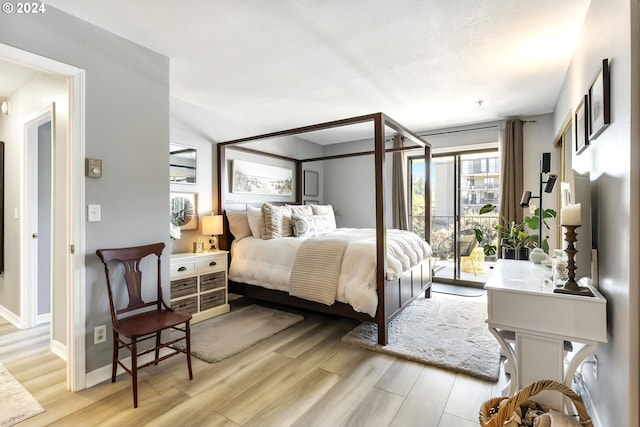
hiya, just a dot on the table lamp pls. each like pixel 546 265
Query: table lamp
pixel 212 226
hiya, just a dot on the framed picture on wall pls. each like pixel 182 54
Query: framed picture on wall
pixel 599 102
pixel 581 124
pixel 310 183
pixel 257 178
pixel 184 210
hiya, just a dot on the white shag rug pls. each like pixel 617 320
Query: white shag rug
pixel 447 333
pixel 220 337
pixel 16 403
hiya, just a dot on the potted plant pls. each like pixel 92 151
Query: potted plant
pixel 516 238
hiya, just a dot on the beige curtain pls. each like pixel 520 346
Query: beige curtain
pixel 510 142
pixel 399 186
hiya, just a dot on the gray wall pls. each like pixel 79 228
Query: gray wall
pixel 127 126
pixel 611 31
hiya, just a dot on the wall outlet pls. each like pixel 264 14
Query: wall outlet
pixel 100 334
pixel 532 209
pixel 595 367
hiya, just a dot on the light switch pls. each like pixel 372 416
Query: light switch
pixel 93 213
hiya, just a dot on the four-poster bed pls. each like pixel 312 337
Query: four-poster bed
pixel 392 295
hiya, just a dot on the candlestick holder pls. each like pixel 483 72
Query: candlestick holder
pixel 570 286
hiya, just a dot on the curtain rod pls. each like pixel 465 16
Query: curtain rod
pixel 457 131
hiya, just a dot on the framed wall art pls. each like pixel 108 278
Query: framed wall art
pixel 256 178
pixel 581 124
pixel 599 102
pixel 184 210
pixel 310 183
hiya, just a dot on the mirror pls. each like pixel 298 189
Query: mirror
pixel 182 164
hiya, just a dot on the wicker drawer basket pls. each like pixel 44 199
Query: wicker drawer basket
pixel 212 299
pixel 190 305
pixel 494 415
pixel 184 287
pixel 212 281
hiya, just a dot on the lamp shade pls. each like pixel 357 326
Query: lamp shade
pixel 212 225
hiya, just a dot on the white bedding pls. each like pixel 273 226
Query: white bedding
pixel 268 262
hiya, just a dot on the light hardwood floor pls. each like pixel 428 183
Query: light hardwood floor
pixel 304 376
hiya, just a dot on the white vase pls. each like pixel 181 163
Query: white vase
pixel 537 256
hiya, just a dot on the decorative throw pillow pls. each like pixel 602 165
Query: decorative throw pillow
pixel 277 221
pixel 238 224
pixel 254 216
pixel 301 210
pixel 325 210
pixel 311 225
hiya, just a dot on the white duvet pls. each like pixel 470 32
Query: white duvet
pixel 268 263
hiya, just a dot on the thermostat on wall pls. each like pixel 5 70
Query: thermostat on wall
pixel 93 168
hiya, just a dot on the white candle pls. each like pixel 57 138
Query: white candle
pixel 570 215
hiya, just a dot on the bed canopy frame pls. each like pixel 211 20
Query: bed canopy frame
pixel 393 296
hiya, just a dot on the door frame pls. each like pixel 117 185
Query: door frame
pixel 29 206
pixel 456 153
pixel 74 265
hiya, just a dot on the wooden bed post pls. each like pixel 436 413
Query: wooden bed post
pixel 381 231
pixel 427 193
pixel 222 186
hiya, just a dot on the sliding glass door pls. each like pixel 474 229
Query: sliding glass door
pixel 461 183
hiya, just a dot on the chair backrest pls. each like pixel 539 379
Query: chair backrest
pixel 467 242
pixel 131 258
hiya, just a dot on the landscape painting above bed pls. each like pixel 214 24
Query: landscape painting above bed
pixel 256 178
pixel 293 253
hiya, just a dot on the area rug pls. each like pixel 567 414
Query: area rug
pixel 16 403
pixel 220 337
pixel 447 333
pixel 463 291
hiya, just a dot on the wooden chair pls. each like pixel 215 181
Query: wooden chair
pixel 137 322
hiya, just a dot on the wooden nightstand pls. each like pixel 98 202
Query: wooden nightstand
pixel 199 284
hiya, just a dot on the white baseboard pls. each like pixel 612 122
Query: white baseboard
pixel 43 318
pixel 103 374
pixel 11 317
pixel 59 350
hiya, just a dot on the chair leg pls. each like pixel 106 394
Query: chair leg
pixel 134 371
pixel 114 358
pixel 187 331
pixel 157 347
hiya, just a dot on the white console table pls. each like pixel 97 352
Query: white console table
pixel 532 324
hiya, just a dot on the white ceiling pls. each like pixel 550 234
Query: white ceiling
pixel 281 64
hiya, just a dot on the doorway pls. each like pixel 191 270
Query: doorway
pixel 68 234
pixel 37 233
pixel 461 183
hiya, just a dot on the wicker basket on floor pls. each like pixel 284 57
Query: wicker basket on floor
pixel 492 415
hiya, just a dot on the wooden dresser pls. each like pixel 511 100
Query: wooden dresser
pixel 199 284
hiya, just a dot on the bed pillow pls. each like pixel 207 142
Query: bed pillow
pixel 254 217
pixel 311 225
pixel 277 221
pixel 301 210
pixel 239 224
pixel 325 210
